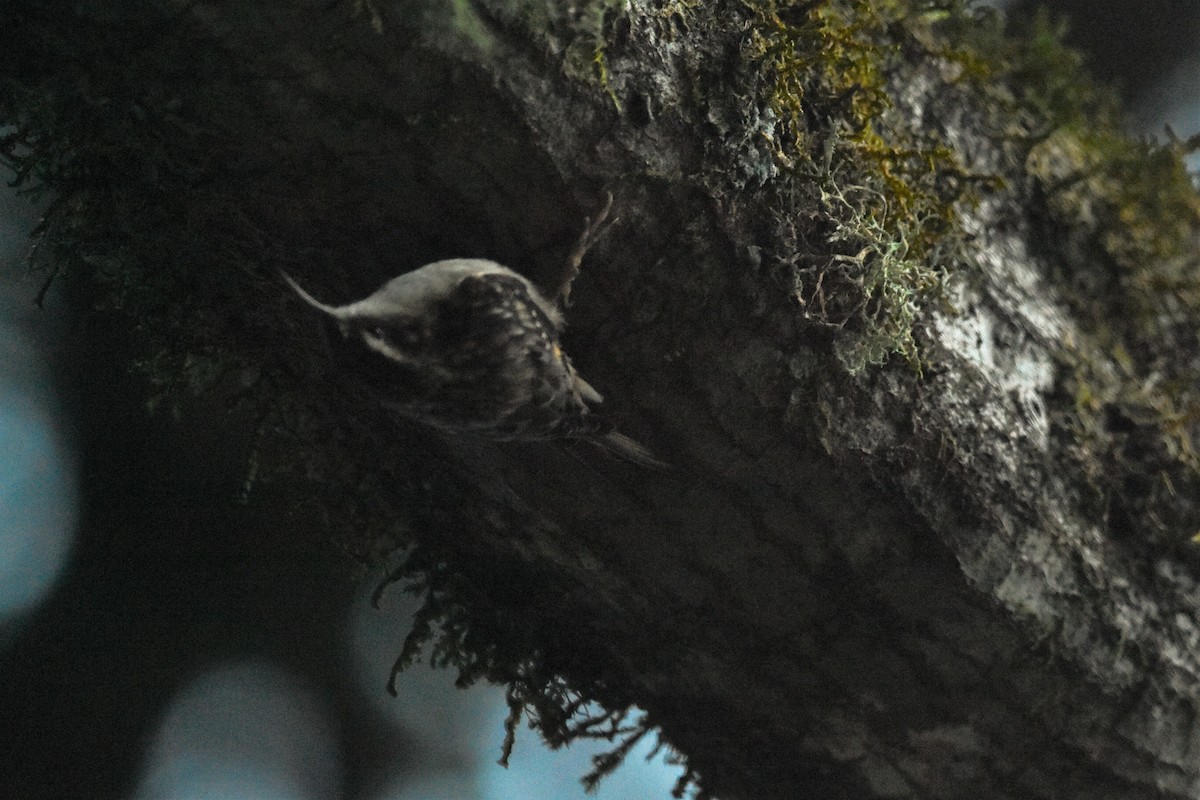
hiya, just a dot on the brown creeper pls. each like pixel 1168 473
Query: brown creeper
pixel 469 346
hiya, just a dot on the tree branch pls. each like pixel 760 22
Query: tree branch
pixel 926 534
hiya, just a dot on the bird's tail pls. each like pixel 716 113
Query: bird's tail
pixel 622 446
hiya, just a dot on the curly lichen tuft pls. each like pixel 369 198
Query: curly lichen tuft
pixel 886 194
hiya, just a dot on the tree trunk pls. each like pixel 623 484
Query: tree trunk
pixel 913 325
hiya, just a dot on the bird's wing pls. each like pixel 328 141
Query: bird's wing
pixel 507 302
pixel 503 308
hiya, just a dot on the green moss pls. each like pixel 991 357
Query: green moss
pixel 159 221
pixel 1133 201
pixel 587 61
pixel 1120 215
pixel 1134 441
pixel 465 622
pixel 587 32
pixel 887 195
pixel 108 129
pixel 1120 220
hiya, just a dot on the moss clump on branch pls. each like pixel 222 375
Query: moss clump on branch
pixel 1119 218
pixel 163 213
pixel 880 195
pixel 143 187
pixel 807 107
pixel 1125 219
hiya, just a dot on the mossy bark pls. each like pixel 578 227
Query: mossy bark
pixel 950 573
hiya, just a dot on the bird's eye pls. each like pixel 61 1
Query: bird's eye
pixel 379 333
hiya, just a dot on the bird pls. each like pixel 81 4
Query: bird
pixel 469 346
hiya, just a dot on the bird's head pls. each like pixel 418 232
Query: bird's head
pixel 386 322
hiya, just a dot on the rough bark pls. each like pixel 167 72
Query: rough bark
pixel 858 580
